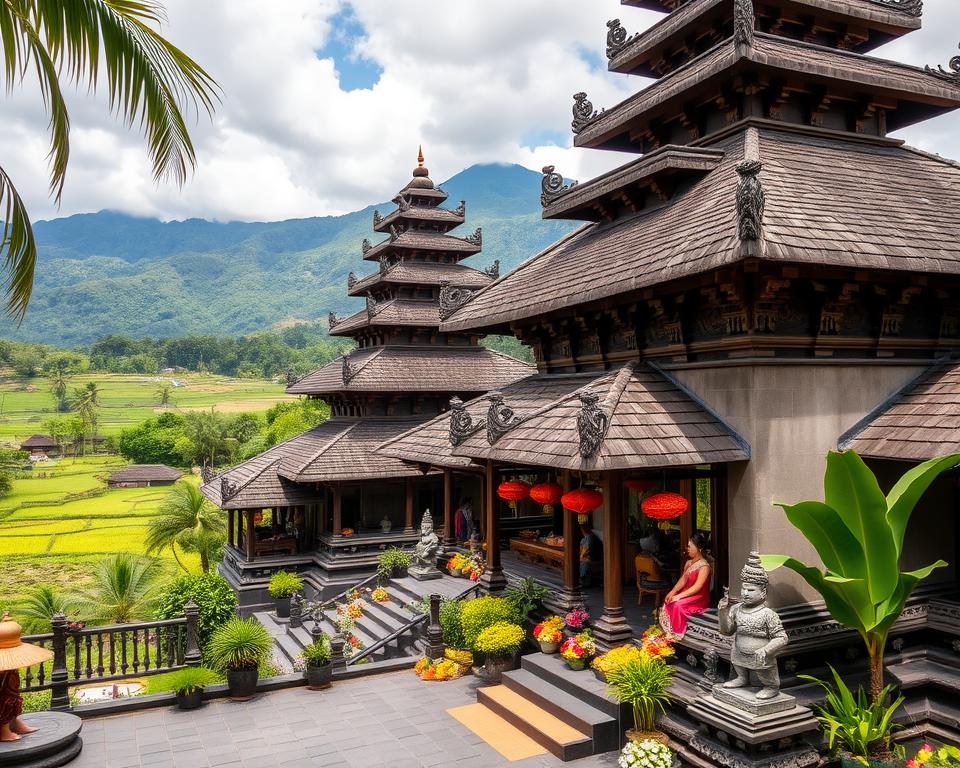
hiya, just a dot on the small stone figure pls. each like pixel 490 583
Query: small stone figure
pixel 425 553
pixel 14 655
pixel 758 634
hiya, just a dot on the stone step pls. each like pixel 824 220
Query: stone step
pixel 582 685
pixel 562 740
pixel 602 728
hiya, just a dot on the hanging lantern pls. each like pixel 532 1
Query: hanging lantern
pixel 513 491
pixel 665 506
pixel 582 501
pixel 257 518
pixel 640 486
pixel 547 494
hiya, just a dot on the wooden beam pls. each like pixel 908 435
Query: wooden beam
pixel 492 579
pixel 251 542
pixel 612 627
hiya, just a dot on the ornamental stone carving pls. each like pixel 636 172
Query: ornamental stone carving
pixel 617 38
pixel 476 238
pixel 744 22
pixel 394 232
pixel 206 473
pixel 384 264
pixel 333 320
pixel 493 270
pixel 583 112
pixel 461 422
pixel 500 417
pixel 952 74
pixel 451 299
pixel 592 423
pixel 374 307
pixel 349 370
pixel 552 186
pixel 750 200
pixel 461 210
pixel 228 488
pixel 366 245
pixel 909 7
pixel 291 377
pixel 377 218
pixel 351 280
pixel 403 202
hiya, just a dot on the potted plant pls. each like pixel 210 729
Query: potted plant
pixel 283 586
pixel 527 596
pixel 576 620
pixel 380 595
pixel 859 729
pixel 317 669
pixel 944 757
pixel 643 684
pixel 500 642
pixel 455 565
pixel 613 659
pixel 646 754
pixel 578 650
pixel 549 633
pixel 188 684
pixel 239 648
pixel 393 563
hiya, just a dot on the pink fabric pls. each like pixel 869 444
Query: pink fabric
pixel 674 616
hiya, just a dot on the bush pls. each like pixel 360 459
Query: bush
pixel 240 644
pixel 319 652
pixel 502 639
pixel 484 612
pixel 527 596
pixel 644 684
pixel 393 558
pixel 192 679
pixel 284 584
pixel 212 594
pixel 450 611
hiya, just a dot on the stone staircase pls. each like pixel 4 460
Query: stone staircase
pixel 379 621
pixel 566 712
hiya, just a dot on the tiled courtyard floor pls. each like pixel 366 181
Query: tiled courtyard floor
pixel 383 721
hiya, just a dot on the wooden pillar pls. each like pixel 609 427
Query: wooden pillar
pixel 251 536
pixel 492 578
pixel 408 510
pixel 230 528
pixel 570 595
pixel 449 509
pixel 612 627
pixel 337 509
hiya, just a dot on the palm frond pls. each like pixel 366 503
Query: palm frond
pixel 18 246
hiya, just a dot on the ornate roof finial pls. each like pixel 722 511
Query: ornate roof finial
pixel 583 112
pixel 744 22
pixel 461 422
pixel 552 186
pixel 750 200
pixel 953 75
pixel 592 423
pixel 451 299
pixel 500 417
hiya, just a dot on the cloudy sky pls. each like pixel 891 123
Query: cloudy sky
pixel 325 102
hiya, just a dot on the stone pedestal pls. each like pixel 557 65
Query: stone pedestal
pixel 56 743
pixel 738 730
pixel 425 572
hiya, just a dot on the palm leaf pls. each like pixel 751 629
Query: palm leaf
pixel 18 247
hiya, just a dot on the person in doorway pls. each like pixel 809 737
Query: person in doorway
pixel 691 594
pixel 589 553
pixel 463 520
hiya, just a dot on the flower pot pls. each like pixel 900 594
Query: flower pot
pixel 634 735
pixel 282 607
pixel 318 677
pixel 456 573
pixel 190 699
pixel 399 571
pixel 599 674
pixel 242 683
pixel 549 647
pixel 576 664
pixel 495 667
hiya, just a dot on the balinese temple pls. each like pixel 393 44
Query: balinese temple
pixel 771 277
pixel 323 503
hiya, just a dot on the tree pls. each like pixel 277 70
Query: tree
pixel 38 607
pixel 85 401
pixel 6 483
pixel 858 533
pixel 208 432
pixel 163 393
pixel 187 519
pixel 58 388
pixel 154 441
pixel 149 80
pixel 122 591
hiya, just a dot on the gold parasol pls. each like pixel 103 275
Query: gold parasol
pixel 14 653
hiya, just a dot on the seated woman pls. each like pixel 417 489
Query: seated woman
pixel 691 594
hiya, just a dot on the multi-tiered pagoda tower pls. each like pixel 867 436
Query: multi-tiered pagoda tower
pixel 334 503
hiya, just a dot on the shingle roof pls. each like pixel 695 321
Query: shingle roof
pixel 415 369
pixel 145 473
pixel 391 312
pixel 920 422
pixel 256 484
pixel 414 240
pixel 424 273
pixel 652 422
pixel 420 213
pixel 39 441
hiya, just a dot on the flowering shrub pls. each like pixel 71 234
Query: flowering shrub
pixel 476 615
pixel 579 647
pixel 380 595
pixel 344 624
pixel 352 645
pixel 945 757
pixel 501 639
pixel 346 531
pixel 457 562
pixel 654 642
pixel 354 595
pixel 645 754
pixel 550 630
pixel 616 658
pixel 355 610
pixel 577 618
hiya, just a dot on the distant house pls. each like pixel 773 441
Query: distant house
pixel 40 445
pixel 143 476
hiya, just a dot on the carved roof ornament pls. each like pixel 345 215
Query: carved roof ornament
pixel 451 299
pixel 228 488
pixel 461 422
pixel 349 370
pixel 750 200
pixel 476 238
pixel 384 264
pixel 953 74
pixel 351 280
pixel 394 233
pixel 292 377
pixel 617 38
pixel 206 473
pixel 592 423
pixel 909 7
pixel 377 218
pixel 461 210
pixel 366 245
pixel 500 418
pixel 552 186
pixel 744 22
pixel 494 269
pixel 374 307
pixel 583 112
pixel 333 320
pixel 403 202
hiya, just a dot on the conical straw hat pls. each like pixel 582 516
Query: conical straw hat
pixel 14 653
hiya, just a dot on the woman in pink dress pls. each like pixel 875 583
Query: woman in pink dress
pixel 691 594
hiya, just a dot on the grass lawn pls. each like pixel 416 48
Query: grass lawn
pixel 128 400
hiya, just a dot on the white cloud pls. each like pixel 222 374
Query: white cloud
pixel 472 79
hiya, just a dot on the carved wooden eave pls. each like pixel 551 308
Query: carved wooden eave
pixel 414 273
pixel 750 69
pixel 654 172
pixel 441 218
pixel 424 242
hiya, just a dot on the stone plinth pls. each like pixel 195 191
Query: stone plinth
pixel 56 743
pixel 425 573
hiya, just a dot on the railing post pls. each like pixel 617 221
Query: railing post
pixel 435 645
pixel 296 612
pixel 59 693
pixel 336 652
pixel 191 656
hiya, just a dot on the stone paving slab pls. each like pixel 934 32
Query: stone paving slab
pixel 390 720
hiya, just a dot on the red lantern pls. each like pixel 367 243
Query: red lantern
pixel 547 494
pixel 665 506
pixel 582 501
pixel 513 491
pixel 640 486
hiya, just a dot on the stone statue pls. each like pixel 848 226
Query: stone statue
pixel 758 635
pixel 425 553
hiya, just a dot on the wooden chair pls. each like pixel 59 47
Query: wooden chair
pixel 649 579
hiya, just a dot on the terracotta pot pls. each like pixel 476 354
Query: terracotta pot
pixel 282 607
pixel 318 677
pixel 190 699
pixel 576 664
pixel 495 666
pixel 242 683
pixel 549 647
pixel 634 735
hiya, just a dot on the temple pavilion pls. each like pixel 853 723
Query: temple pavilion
pixel 772 276
pixel 324 503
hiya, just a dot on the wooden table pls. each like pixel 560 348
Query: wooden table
pixel 538 553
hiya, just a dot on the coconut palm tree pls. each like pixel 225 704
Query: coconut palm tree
pixel 123 589
pixel 163 393
pixel 189 520
pixel 38 607
pixel 85 401
pixel 150 83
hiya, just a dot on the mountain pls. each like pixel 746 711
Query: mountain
pixel 108 272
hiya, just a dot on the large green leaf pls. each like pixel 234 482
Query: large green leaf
pixel 822 526
pixel 852 490
pixel 904 495
pixel 889 611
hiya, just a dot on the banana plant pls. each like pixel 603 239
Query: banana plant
pixel 858 533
